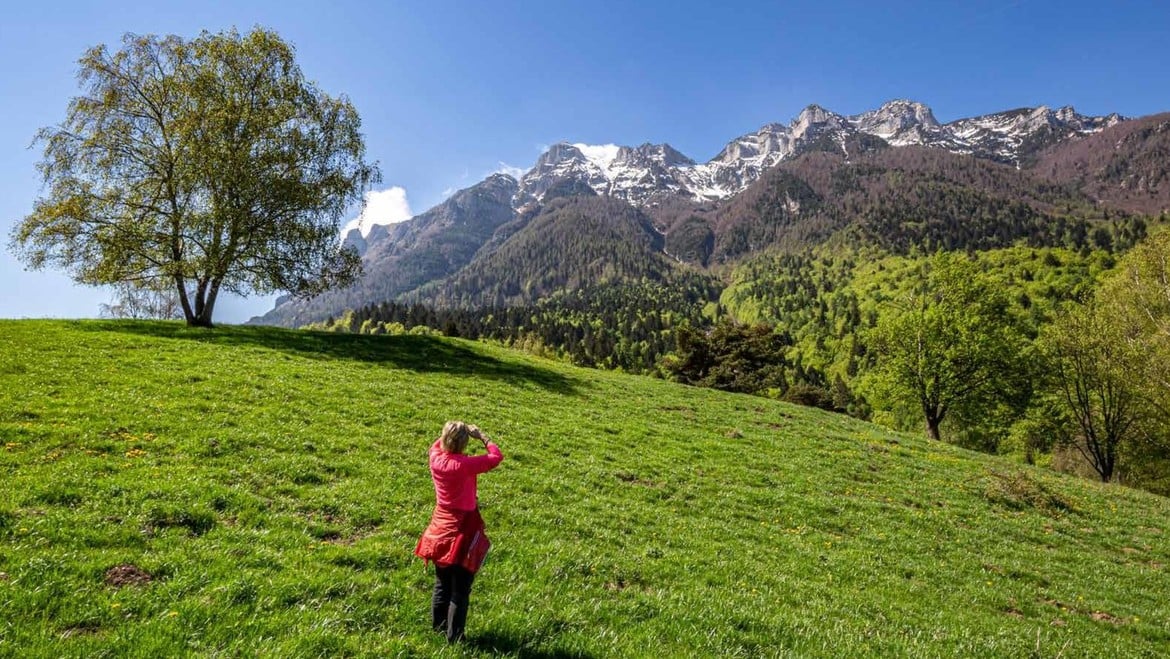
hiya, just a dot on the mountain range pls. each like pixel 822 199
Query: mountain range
pixel 895 176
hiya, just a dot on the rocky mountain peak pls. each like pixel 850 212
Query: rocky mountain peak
pixel 556 154
pixel 769 139
pixel 644 173
pixel 895 118
pixel 651 154
pixel 815 116
pixel 501 179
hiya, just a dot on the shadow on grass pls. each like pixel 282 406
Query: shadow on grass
pixel 424 354
pixel 498 643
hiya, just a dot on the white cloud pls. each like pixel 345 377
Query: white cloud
pixel 601 155
pixel 505 168
pixel 387 206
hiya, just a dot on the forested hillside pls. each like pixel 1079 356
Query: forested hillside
pixel 627 326
pixel 1126 167
pixel 405 256
pixel 573 242
pixel 899 200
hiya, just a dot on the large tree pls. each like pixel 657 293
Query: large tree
pixel 1140 297
pixel 1097 373
pixel 1130 364
pixel 951 347
pixel 202 165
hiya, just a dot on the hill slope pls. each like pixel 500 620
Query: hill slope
pixel 1126 166
pixel 266 488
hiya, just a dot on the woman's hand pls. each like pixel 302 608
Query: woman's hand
pixel 475 432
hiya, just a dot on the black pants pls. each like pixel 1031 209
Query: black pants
pixel 449 603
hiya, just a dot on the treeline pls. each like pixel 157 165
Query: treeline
pixel 757 359
pixel 819 309
pixel 627 326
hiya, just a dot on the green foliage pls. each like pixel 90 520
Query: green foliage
pixel 254 491
pixel 1042 427
pixel 1109 357
pixel 951 347
pixel 731 357
pixel 201 165
pixel 1139 297
pixel 828 302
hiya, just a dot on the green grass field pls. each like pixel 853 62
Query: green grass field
pixel 267 488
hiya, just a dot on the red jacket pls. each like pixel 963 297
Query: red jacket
pixel 456 535
pixel 454 475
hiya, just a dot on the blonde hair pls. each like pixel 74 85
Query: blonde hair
pixel 454 437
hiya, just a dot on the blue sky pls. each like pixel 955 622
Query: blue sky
pixel 451 91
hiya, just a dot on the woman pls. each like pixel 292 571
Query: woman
pixel 455 538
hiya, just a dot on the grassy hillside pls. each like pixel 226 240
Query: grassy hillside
pixel 246 491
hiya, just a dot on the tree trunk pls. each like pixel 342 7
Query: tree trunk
pixel 209 304
pixel 932 425
pixel 203 320
pixel 1098 452
pixel 934 417
pixel 1105 468
pixel 184 301
pixel 204 305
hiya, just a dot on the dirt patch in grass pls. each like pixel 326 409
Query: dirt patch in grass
pixel 127 574
pixel 1099 616
pixel 1102 616
pixel 86 628
pixel 635 479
